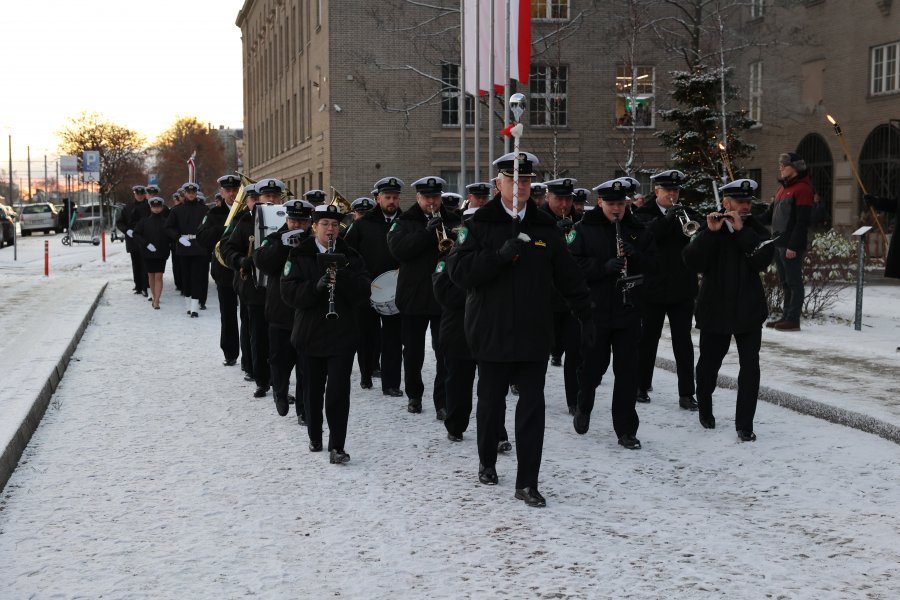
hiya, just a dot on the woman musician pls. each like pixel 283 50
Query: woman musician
pixel 325 281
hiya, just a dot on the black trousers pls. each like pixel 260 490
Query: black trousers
pixel 282 361
pixel 681 319
pixel 259 344
pixel 195 283
pixel 572 362
pixel 559 333
pixel 229 338
pixel 391 351
pixel 413 332
pixel 460 379
pixel 368 353
pixel 246 347
pixel 137 271
pixel 177 270
pixel 713 348
pixel 624 346
pixel 493 384
pixel 328 380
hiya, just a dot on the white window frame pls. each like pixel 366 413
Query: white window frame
pixel 757 9
pixel 755 88
pixel 548 6
pixel 450 94
pixel 549 96
pixel 626 92
pixel 884 77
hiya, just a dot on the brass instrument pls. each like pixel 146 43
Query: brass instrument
pixel 443 241
pixel 688 226
pixel 625 281
pixel 240 201
pixel 331 261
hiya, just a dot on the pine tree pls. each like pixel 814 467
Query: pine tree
pixel 697 130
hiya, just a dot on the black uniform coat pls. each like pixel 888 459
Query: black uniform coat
pixel 452 298
pixel 270 258
pixel 237 247
pixel 509 306
pixel 209 233
pixel 592 243
pixel 185 219
pixel 152 230
pixel 892 263
pixel 559 303
pixel 670 281
pixel 314 333
pixel 368 236
pixel 416 249
pixel 731 299
pixel 129 218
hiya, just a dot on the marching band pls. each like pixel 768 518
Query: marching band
pixel 509 280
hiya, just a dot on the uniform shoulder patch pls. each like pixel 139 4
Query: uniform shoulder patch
pixel 287 268
pixel 461 235
pixel 440 267
pixel 265 242
pixel 570 237
pixel 393 226
pixel 203 222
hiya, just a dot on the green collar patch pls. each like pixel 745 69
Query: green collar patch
pixel 287 268
pixel 570 237
pixel 461 235
pixel 440 267
pixel 393 226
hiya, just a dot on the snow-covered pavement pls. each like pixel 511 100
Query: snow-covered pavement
pixel 155 474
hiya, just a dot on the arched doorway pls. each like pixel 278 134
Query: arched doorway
pixel 879 166
pixel 820 165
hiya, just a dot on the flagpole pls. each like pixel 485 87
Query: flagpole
pixel 506 74
pixel 476 145
pixel 461 105
pixel 491 95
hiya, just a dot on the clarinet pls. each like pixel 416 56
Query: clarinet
pixel 625 282
pixel 332 272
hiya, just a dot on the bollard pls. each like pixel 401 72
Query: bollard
pixel 103 245
pixel 46 258
pixel 860 274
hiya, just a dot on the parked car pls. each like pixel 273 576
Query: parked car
pixel 39 216
pixel 7 225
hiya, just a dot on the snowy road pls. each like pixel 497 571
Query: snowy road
pixel 155 474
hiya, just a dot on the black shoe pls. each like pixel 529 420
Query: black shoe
pixel 414 406
pixel 137 292
pixel 202 306
pixel 687 403
pixel 514 390
pixel 260 392
pixel 441 414
pixel 531 496
pixel 555 361
pixel 144 293
pixel 572 409
pixel 315 446
pixel 229 362
pixel 487 475
pixel 291 399
pixel 282 406
pixel 248 376
pixel 194 315
pixel 338 457
pixel 581 422
pixel 149 299
pixel 630 442
pixel 366 383
pixel 503 446
pixel 393 392
pixel 376 373
pixel 708 421
pixel 746 436
pixel 643 396
pixel 454 437
pixel 301 420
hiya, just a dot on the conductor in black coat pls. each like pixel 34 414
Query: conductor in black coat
pixel 606 259
pixel 328 343
pixel 730 253
pixel 509 263
pixel 413 240
pixel 669 291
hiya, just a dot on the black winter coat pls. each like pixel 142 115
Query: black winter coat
pixel 129 218
pixel 152 230
pixel 592 243
pixel 236 248
pixel 559 303
pixel 452 299
pixel 670 281
pixel 509 306
pixel 416 249
pixel 368 236
pixel 185 219
pixel 892 263
pixel 731 299
pixel 270 258
pixel 209 233
pixel 314 333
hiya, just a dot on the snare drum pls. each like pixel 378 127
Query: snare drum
pixel 384 289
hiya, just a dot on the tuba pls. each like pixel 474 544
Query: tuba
pixel 240 201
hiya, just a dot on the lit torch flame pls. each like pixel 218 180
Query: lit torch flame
pixel 837 128
pixel 721 146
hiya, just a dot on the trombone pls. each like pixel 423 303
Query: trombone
pixel 688 226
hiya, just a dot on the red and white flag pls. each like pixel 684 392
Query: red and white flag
pixel 477 40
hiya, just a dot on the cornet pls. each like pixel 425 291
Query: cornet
pixel 688 226
pixel 443 241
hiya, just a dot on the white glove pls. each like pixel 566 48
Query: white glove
pixel 130 233
pixel 151 247
pixel 287 235
pixel 184 241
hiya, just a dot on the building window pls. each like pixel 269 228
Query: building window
pixel 548 87
pixel 635 96
pixel 885 69
pixel 450 97
pixel 756 8
pixel 755 92
pixel 549 9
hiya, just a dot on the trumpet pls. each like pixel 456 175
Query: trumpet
pixel 443 241
pixel 688 226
